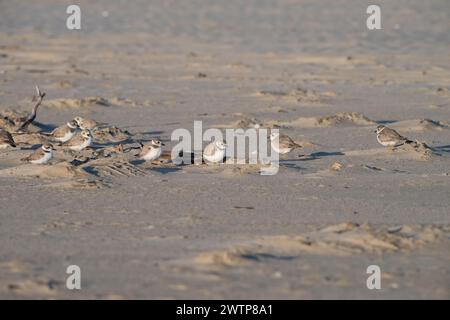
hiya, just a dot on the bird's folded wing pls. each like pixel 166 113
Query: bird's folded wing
pixel 74 142
pixel 209 150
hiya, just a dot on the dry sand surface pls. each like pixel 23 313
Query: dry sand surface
pixel 166 231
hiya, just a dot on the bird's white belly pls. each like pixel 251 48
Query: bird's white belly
pixel 80 147
pixel 387 143
pixel 4 146
pixel 46 158
pixel 276 148
pixel 153 154
pixel 66 137
pixel 216 157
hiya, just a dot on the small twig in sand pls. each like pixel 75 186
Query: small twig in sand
pixel 39 97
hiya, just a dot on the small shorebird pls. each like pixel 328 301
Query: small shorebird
pixel 388 137
pixel 6 139
pixel 40 156
pixel 87 124
pixel 80 142
pixel 283 144
pixel 65 132
pixel 151 151
pixel 215 151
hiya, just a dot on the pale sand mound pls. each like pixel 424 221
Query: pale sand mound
pixel 14 266
pixel 420 125
pixel 33 288
pixel 414 150
pixel 87 174
pixel 77 103
pixel 11 121
pixel 296 95
pixel 92 101
pixel 341 240
pixel 63 84
pixel 420 148
pixel 128 102
pixel 231 257
pixel 6 123
pixel 30 138
pixel 275 109
pixel 112 168
pixel 51 171
pixel 443 92
pixel 341 118
pixel 243 123
pixel 110 134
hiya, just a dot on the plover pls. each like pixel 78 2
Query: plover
pixel 65 132
pixel 6 139
pixel 388 137
pixel 87 124
pixel 40 156
pixel 282 144
pixel 215 151
pixel 151 151
pixel 80 142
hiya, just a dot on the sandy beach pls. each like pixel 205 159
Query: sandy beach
pixel 308 68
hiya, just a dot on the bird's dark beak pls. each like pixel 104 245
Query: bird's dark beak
pixel 162 144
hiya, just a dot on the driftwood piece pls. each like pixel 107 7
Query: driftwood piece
pixel 30 118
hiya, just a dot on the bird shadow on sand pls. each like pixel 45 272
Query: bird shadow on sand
pixel 32 147
pixel 442 150
pixel 164 170
pixel 44 126
pixel 384 122
pixel 99 145
pixel 137 162
pixel 319 155
pixel 290 165
pixel 293 163
pixel 149 133
pixel 156 168
pixel 267 256
pixel 91 170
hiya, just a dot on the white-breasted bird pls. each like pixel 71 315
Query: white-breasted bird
pixel 283 144
pixel 388 137
pixel 87 124
pixel 80 142
pixel 151 151
pixel 215 151
pixel 41 155
pixel 65 132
